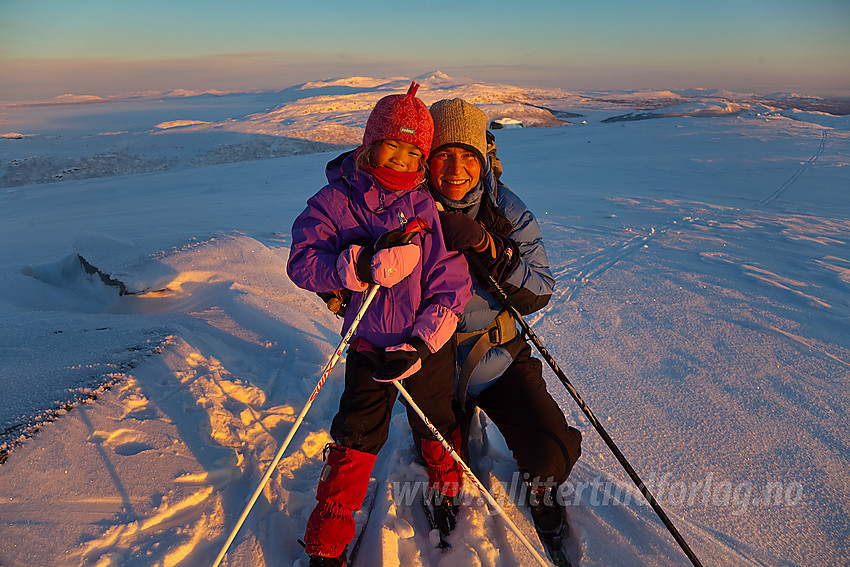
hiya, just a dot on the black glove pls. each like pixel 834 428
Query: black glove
pixel 402 361
pixel 461 231
pixel 501 257
pixel 498 254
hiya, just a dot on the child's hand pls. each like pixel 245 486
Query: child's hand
pixel 358 266
pixel 391 265
pixel 346 267
pixel 402 361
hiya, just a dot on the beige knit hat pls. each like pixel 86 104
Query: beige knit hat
pixel 459 123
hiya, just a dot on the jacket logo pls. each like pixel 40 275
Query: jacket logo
pixel 406 130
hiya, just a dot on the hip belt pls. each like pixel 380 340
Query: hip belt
pixel 501 332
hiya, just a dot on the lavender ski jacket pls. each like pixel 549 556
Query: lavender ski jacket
pixel 353 208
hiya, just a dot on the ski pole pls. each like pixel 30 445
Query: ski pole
pixel 503 297
pixel 373 290
pixel 413 227
pixel 468 472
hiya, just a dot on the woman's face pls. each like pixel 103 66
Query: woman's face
pixel 454 171
pixel 398 155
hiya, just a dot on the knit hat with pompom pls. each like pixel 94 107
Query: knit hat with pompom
pixel 401 117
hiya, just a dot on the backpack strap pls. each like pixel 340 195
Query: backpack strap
pixel 502 331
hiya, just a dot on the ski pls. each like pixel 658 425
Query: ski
pixel 478 448
pixel 555 551
pixel 371 496
pixel 432 522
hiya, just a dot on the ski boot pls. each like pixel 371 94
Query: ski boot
pixel 318 561
pixel 441 512
pixel 550 521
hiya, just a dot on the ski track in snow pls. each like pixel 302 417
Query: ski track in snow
pixel 589 267
pixel 791 180
pixel 714 223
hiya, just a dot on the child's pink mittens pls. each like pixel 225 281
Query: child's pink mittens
pixel 346 267
pixel 358 267
pixel 402 360
pixel 391 265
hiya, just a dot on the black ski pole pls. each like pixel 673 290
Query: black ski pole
pixel 503 298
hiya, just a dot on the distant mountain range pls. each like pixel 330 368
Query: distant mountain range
pixel 84 136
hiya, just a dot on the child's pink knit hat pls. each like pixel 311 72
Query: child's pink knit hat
pixel 401 117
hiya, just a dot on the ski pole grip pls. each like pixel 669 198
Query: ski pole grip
pixel 414 227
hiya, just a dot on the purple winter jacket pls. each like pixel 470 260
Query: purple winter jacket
pixel 354 209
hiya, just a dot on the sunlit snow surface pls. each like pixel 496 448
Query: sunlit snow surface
pixel 702 307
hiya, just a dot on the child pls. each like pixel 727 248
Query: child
pixel 406 331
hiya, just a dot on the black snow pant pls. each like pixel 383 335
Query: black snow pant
pixel 365 407
pixel 532 423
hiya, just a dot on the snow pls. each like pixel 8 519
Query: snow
pixel 72 98
pixel 179 124
pixel 701 311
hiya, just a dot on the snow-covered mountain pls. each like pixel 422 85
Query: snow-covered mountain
pixel 703 269
pixel 86 136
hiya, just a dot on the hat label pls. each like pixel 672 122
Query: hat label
pixel 407 130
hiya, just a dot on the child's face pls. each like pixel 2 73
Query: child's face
pixel 398 155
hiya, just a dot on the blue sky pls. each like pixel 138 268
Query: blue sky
pixel 51 47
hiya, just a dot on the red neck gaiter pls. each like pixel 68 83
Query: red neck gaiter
pixel 393 180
